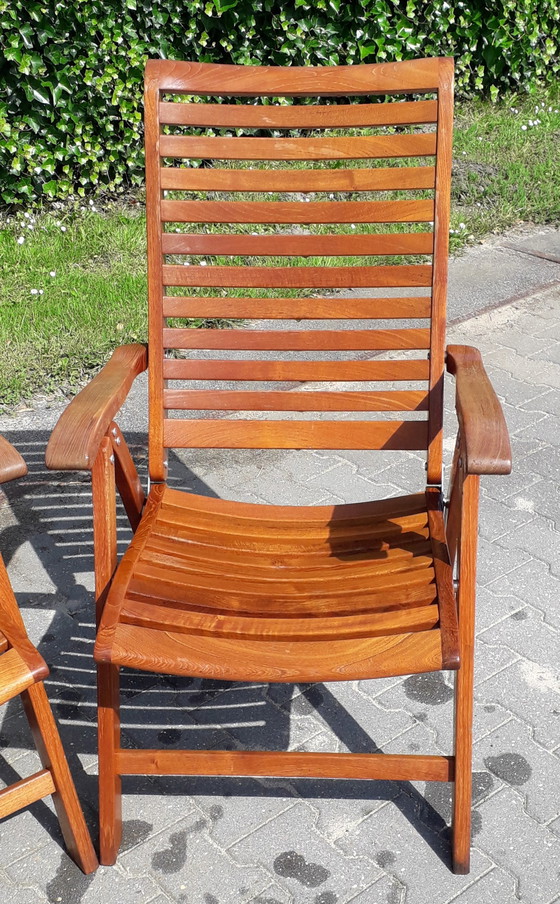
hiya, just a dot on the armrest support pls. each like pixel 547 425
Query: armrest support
pixel 75 439
pixel 12 464
pixel 484 433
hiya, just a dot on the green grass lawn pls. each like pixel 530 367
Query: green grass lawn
pixel 75 286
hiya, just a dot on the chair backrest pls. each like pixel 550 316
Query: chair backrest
pixel 252 159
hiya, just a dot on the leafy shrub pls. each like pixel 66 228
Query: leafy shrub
pixel 70 111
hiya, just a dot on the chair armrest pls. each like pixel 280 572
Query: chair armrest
pixel 12 464
pixel 75 440
pixel 484 433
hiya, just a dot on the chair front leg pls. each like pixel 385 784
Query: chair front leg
pixel 108 703
pixel 465 493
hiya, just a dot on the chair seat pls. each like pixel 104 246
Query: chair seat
pixel 254 592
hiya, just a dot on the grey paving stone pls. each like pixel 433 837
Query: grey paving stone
pixel 541 540
pixel 64 883
pixel 496 559
pixel 532 693
pixel 272 895
pixel 230 819
pixel 512 756
pixel 495 887
pixel 185 862
pixel 526 633
pixel 12 893
pixel 519 485
pixel 499 520
pixel 548 402
pixel 491 608
pixel 303 861
pixel 517 843
pixel 397 840
pixel 540 497
pixel 532 583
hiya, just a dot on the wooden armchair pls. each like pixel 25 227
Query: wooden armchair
pixel 269 593
pixel 22 671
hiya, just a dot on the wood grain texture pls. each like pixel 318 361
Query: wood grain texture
pixel 227 400
pixel 385 766
pixel 301 371
pixel 75 440
pixel 462 791
pixel 211 79
pixel 484 434
pixel 297 308
pixel 297 340
pixel 328 179
pixel 302 116
pixel 439 271
pixel 298 245
pixel 416 275
pixel 126 478
pixel 444 577
pixel 12 464
pixel 15 675
pixel 103 491
pixel 65 799
pixel 22 670
pixel 257 434
pixel 379 146
pixel 25 792
pixel 416 211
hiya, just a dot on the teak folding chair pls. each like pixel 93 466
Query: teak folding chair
pixel 22 671
pixel 247 592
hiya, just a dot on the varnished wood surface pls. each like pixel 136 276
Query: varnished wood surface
pixel 268 592
pixel 227 400
pixel 318 371
pixel 25 792
pixel 22 670
pixel 484 432
pixel 283 434
pixel 290 212
pixel 293 764
pixel 297 340
pixel 12 464
pixel 298 245
pixel 75 440
pixel 362 148
pixel 209 79
pixel 301 180
pixel 272 116
pixel 416 275
pixel 298 308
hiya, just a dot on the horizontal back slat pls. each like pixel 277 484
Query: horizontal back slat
pixel 299 117
pixel 237 434
pixel 298 308
pixel 300 180
pixel 212 79
pixel 298 245
pixel 297 340
pixel 416 275
pixel 300 371
pixel 417 211
pixel 213 148
pixel 227 400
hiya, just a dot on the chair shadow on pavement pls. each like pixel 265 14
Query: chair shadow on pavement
pixel 46 541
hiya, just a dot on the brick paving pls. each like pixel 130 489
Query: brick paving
pixel 276 841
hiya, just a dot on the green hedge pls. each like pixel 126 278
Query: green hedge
pixel 71 73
